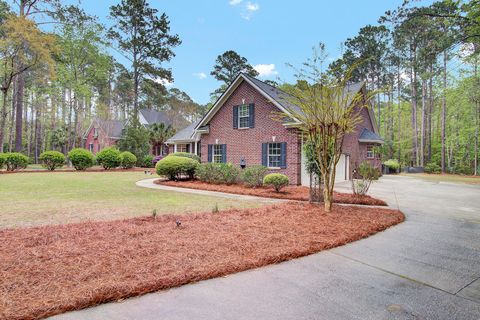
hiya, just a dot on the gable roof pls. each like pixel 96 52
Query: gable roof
pixel 153 116
pixel 112 128
pixel 278 97
pixel 369 136
pixel 185 134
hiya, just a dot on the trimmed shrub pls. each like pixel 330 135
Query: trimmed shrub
pixel 186 155
pixel 127 160
pixel 81 158
pixel 147 162
pixel 174 167
pixel 218 173
pixel 276 180
pixel 366 174
pixel 392 164
pixel 52 159
pixel 2 160
pixel 15 161
pixel 253 176
pixel 109 158
pixel 432 167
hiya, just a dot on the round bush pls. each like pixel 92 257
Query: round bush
pixel 2 160
pixel 147 162
pixel 15 161
pixel 173 167
pixel 127 160
pixel 253 176
pixel 432 167
pixel 186 155
pixel 52 159
pixel 392 164
pixel 109 158
pixel 81 158
pixel 276 180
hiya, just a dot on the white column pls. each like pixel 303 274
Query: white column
pixel 195 147
pixel 175 147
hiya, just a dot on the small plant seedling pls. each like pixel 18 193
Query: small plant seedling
pixel 154 214
pixel 215 208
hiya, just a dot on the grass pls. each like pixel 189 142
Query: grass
pixel 53 269
pixel 32 199
pixel 445 178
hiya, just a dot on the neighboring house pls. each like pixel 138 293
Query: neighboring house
pixel 240 129
pixel 106 133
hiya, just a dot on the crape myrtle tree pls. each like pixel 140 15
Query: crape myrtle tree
pixel 327 111
pixel 144 37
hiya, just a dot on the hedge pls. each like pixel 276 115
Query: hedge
pixel 109 158
pixel 127 160
pixel 186 155
pixel 15 161
pixel 253 175
pixel 52 159
pixel 276 180
pixel 81 158
pixel 174 167
pixel 2 160
pixel 218 173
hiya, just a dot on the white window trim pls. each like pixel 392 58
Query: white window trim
pixel 214 154
pixel 90 147
pixel 268 155
pixel 373 152
pixel 244 116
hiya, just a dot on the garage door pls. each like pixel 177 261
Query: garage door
pixel 341 170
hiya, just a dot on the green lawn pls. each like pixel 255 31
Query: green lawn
pixel 30 199
pixel 445 178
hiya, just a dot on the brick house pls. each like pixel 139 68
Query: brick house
pixel 106 133
pixel 239 129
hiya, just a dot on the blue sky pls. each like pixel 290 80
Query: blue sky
pixel 268 33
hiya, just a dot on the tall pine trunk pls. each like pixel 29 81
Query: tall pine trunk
pixel 20 85
pixel 413 87
pixel 423 125
pixel 444 108
pixel 3 118
pixel 429 118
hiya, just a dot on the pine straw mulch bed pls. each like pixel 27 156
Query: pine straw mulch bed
pixel 298 193
pixel 54 269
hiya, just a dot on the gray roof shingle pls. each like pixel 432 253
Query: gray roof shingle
pixel 153 116
pixel 113 128
pixel 369 136
pixel 184 134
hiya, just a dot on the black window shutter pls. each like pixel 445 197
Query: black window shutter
pixel 251 112
pixel 283 155
pixel 188 147
pixel 265 154
pixel 210 147
pixel 235 117
pixel 224 153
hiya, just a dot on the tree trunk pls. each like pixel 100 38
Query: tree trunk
pixel 399 113
pixel 3 119
pixel 413 86
pixel 38 135
pixel 423 125
pixel 430 111
pixel 444 108
pixel 20 85
pixel 477 122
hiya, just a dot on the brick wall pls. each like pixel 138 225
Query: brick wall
pixel 101 142
pixel 247 143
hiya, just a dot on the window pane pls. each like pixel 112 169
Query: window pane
pixel 217 153
pixel 243 116
pixel 274 155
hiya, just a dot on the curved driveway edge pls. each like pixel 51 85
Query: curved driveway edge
pixel 149 183
pixel 424 268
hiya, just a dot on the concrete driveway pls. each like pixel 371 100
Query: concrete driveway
pixel 425 268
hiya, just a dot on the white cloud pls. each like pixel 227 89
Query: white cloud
pixel 200 75
pixel 234 2
pixel 265 70
pixel 252 6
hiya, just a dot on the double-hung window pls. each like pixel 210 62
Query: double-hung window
pixel 182 147
pixel 90 147
pixel 370 152
pixel 243 116
pixel 274 155
pixel 217 155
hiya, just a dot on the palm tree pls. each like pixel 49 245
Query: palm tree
pixel 159 133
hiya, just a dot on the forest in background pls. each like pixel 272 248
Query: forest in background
pixel 57 73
